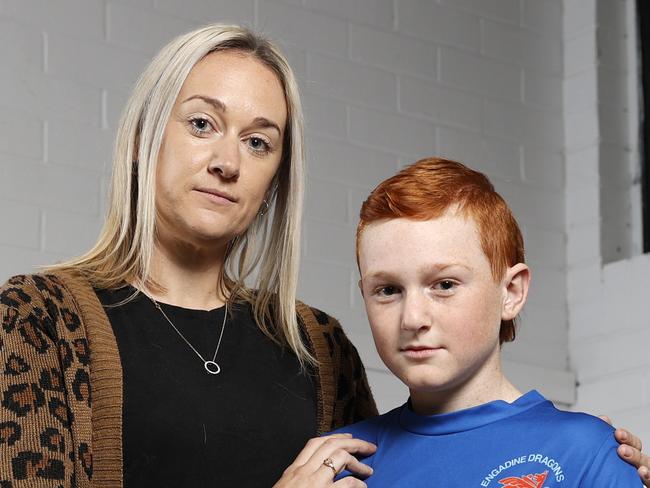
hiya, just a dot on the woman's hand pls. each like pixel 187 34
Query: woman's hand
pixel 323 458
pixel 630 451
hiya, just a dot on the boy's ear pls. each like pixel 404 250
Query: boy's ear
pixel 516 283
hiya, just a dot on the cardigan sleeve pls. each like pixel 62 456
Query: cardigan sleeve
pixel 344 396
pixel 35 437
pixel 354 400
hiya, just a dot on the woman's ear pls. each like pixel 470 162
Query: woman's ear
pixel 516 283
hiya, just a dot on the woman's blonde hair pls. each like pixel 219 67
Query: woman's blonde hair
pixel 271 245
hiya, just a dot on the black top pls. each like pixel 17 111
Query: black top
pixel 185 427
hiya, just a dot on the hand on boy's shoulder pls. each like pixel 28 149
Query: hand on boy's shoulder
pixel 631 451
pixel 370 430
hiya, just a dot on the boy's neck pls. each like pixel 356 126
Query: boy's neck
pixel 484 387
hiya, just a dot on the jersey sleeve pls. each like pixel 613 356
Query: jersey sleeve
pixel 608 469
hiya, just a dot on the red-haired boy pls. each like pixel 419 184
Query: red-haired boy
pixel 443 278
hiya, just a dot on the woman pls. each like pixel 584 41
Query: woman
pixel 149 360
pixel 194 377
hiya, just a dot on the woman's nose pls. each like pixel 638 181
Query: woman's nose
pixel 226 158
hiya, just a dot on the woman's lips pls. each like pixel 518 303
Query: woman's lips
pixel 217 196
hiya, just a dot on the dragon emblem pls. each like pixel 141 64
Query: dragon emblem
pixel 528 481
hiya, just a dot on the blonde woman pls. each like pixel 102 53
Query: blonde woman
pixel 159 357
pixel 148 361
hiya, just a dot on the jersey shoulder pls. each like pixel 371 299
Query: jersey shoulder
pixel 599 447
pixel 572 424
pixel 370 429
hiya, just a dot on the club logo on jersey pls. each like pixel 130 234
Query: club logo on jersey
pixel 534 470
pixel 528 481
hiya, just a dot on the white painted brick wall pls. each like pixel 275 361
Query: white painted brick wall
pixel 314 31
pixel 608 304
pixel 480 75
pixel 508 10
pixel 437 103
pixel 384 82
pixel 392 51
pixel 352 82
pixel 542 16
pixel 202 11
pixel 125 22
pixel 374 12
pixel 517 45
pixel 438 23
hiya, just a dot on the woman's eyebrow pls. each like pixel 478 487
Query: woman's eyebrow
pixel 263 122
pixel 215 102
pixel 221 107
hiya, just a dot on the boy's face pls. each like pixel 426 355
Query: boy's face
pixel 434 308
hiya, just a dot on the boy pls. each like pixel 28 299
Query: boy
pixel 443 278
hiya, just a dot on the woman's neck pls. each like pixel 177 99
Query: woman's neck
pixel 188 276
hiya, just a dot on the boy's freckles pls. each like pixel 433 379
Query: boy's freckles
pixel 432 303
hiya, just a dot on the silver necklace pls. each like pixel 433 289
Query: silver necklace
pixel 210 366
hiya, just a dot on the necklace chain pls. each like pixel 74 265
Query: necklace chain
pixel 210 366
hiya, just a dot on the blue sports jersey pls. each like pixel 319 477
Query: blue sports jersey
pixel 525 444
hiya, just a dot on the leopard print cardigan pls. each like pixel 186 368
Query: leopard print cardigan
pixel 61 383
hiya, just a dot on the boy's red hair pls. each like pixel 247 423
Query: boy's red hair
pixel 427 188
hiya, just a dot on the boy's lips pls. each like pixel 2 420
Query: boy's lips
pixel 419 351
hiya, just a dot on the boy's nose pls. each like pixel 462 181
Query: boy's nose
pixel 416 312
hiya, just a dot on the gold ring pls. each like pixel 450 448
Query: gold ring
pixel 330 464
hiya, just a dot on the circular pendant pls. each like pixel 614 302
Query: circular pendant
pixel 212 367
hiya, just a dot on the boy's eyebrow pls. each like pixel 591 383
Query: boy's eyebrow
pixel 437 267
pixel 379 275
pixel 442 267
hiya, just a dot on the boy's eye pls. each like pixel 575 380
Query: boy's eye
pixel 445 285
pixel 387 291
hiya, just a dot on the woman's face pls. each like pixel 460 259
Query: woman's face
pixel 220 150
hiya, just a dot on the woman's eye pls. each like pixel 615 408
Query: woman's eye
pixel 258 145
pixel 200 126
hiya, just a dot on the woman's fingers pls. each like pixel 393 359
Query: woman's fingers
pixel 350 482
pixel 630 451
pixel 341 449
pixel 624 436
pixel 325 457
pixel 644 473
pixel 357 467
pixel 637 459
pixel 337 461
pixel 313 444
